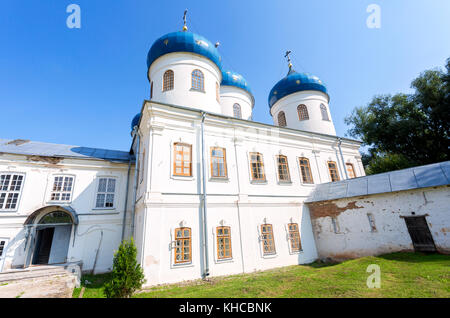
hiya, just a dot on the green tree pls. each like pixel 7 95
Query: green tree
pixel 127 274
pixel 405 130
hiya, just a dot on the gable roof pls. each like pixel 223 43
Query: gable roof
pixel 37 148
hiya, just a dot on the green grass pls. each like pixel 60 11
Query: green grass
pixel 402 275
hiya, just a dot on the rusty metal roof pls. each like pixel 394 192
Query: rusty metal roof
pixel 36 148
pixel 436 174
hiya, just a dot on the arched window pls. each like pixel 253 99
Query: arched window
pixel 198 80
pixel 168 80
pixel 302 112
pixel 237 111
pixel 281 119
pixel 151 90
pixel 323 110
pixel 305 170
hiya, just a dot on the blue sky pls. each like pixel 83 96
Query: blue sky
pixel 83 86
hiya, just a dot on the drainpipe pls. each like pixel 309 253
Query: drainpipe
pixel 203 221
pixel 126 200
pixel 342 157
pixel 136 169
pixel 237 203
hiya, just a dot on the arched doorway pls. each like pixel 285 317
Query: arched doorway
pixel 49 229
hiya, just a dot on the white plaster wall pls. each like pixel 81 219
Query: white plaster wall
pixel 355 238
pixel 35 194
pixel 182 64
pixel 229 95
pixel 312 100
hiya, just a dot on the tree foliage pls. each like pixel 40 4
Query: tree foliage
pixel 405 130
pixel 127 274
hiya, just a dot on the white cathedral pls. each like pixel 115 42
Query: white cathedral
pixel 204 190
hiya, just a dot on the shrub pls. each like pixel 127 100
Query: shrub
pixel 127 275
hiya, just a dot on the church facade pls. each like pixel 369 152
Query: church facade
pixel 204 190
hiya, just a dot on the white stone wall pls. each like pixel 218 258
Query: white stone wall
pixel 312 100
pixel 355 237
pixel 35 194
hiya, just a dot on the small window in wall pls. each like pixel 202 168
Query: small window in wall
pixel 257 166
pixel 198 80
pixel 183 251
pixel 294 237
pixel 350 170
pixel 373 227
pixel 237 111
pixel 281 119
pixel 62 189
pixel 324 112
pixel 217 92
pixel 332 168
pixel 151 90
pixel 283 169
pixel 335 224
pixel 305 170
pixel 10 188
pixel 2 247
pixel 218 162
pixel 168 79
pixel 302 112
pixel 182 162
pixel 267 239
pixel 223 242
pixel 105 193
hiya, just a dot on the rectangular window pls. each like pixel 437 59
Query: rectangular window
pixel 335 224
pixel 62 189
pixel 218 162
pixel 373 227
pixel 350 170
pixel 268 242
pixel 283 169
pixel 182 245
pixel 105 193
pixel 257 166
pixel 10 188
pixel 2 247
pixel 223 242
pixel 305 170
pixel 182 162
pixel 332 168
pixel 294 237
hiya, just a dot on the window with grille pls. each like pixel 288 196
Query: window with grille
pixel 218 162
pixel 332 168
pixel 323 110
pixel 2 248
pixel 168 79
pixel 283 169
pixel 62 189
pixel 302 112
pixel 267 239
pixel 305 170
pixel 257 166
pixel 105 193
pixel 350 170
pixel 237 111
pixel 198 80
pixel 294 237
pixel 223 242
pixel 10 187
pixel 281 119
pixel 183 252
pixel 182 163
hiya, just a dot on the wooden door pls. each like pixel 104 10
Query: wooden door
pixel 420 234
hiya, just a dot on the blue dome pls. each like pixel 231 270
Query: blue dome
pixel 231 78
pixel 135 120
pixel 183 41
pixel 295 82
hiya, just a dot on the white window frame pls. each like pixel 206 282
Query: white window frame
pixel 105 193
pixel 3 255
pixel 53 183
pixel 8 192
